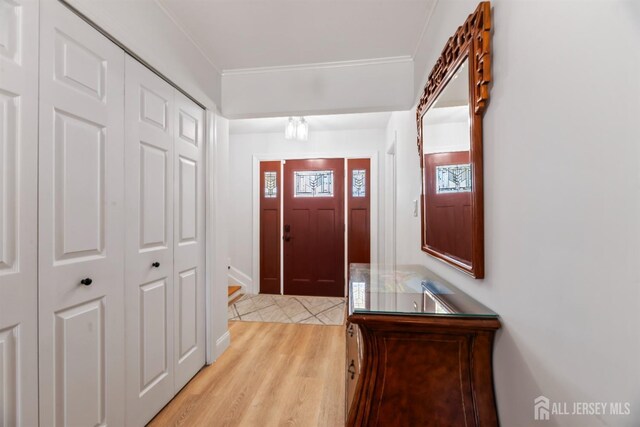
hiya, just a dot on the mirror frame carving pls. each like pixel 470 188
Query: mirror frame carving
pixel 472 40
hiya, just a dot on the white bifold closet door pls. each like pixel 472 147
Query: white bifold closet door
pixel 81 227
pixel 164 241
pixel 18 212
pixel 189 240
pixel 149 127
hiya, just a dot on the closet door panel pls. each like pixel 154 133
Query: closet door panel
pixel 81 239
pixel 79 200
pixel 18 212
pixel 79 366
pixel 189 245
pixel 149 242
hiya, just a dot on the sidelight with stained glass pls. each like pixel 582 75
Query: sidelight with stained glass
pixel 270 185
pixel 358 183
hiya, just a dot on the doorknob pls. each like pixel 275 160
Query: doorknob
pixel 86 281
pixel 287 238
pixel 155 264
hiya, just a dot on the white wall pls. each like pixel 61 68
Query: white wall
pixel 150 33
pixel 346 87
pixel 562 202
pixel 243 148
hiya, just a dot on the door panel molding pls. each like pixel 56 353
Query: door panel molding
pixel 79 346
pixel 154 165
pixel 10 146
pixel 187 316
pixel 153 334
pixel 10 374
pixel 79 173
pixel 79 67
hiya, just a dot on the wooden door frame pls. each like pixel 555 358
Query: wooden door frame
pixel 257 158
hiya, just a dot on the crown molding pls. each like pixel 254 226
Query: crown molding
pixel 319 65
pixel 177 23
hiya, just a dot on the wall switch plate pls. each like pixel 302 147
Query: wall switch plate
pixel 415 208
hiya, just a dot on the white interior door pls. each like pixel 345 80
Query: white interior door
pixel 149 242
pixel 81 228
pixel 189 240
pixel 18 212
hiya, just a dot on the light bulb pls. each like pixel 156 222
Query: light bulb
pixel 302 132
pixel 290 130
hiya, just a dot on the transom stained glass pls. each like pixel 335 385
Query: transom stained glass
pixel 453 179
pixel 358 183
pixel 313 183
pixel 270 185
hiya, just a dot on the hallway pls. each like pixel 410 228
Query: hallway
pixel 272 374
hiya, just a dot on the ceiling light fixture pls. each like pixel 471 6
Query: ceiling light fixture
pixel 297 128
pixel 302 131
pixel 290 130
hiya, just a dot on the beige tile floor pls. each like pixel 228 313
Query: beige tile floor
pixel 289 309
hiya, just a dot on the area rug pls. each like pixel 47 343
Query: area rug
pixel 289 309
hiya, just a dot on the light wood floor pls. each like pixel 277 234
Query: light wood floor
pixel 272 374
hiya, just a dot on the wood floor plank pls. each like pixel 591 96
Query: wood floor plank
pixel 273 374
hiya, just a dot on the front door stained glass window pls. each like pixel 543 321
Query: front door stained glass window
pixel 270 185
pixel 453 179
pixel 358 183
pixel 313 183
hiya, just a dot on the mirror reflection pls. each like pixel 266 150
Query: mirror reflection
pixel 448 182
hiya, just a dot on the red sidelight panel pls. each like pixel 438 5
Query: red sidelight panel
pixel 270 236
pixel 313 231
pixel 359 210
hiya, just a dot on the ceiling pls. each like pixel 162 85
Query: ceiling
pixel 240 34
pixel 330 122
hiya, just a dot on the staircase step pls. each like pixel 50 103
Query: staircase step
pixel 234 293
pixel 235 298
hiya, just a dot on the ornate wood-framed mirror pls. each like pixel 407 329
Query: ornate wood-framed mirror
pixel 449 119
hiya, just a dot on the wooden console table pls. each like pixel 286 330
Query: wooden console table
pixel 419 351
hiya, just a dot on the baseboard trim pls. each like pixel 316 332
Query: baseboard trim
pixel 237 277
pixel 222 344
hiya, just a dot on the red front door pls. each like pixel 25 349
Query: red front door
pixel 313 229
pixel 449 226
